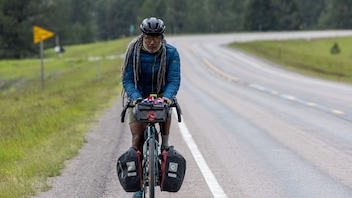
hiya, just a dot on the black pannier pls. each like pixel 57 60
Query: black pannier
pixel 129 170
pixel 173 169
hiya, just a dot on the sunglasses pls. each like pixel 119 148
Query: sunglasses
pixel 152 38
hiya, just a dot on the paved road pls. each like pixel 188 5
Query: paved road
pixel 251 129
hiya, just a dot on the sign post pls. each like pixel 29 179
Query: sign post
pixel 39 35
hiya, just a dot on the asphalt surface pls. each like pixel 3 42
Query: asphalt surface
pixel 251 129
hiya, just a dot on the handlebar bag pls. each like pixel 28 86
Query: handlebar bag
pixel 173 169
pixel 129 170
pixel 145 112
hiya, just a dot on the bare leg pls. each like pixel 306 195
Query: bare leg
pixel 137 130
pixel 165 131
pixel 165 127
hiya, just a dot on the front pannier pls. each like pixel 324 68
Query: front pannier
pixel 129 170
pixel 173 169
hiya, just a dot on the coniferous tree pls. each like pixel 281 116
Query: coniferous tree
pixel 287 14
pixel 155 8
pixel 120 17
pixel 227 15
pixel 176 15
pixel 100 20
pixel 337 15
pixel 91 20
pixel 310 12
pixel 81 21
pixel 16 27
pixel 259 16
pixel 196 17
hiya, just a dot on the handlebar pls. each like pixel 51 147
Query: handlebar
pixel 130 105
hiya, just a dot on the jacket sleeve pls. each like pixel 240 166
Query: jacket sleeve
pixel 173 76
pixel 128 82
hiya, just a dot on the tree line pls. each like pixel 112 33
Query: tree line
pixel 78 22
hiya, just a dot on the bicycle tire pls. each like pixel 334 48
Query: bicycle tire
pixel 151 181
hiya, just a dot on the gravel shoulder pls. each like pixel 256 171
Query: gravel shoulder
pixel 92 173
pixel 93 169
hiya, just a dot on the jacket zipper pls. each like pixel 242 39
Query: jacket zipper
pixel 153 76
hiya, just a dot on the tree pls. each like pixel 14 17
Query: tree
pixel 287 14
pixel 87 21
pixel 259 15
pixel 310 12
pixel 56 19
pixel 175 18
pixel 226 15
pixel 195 19
pixel 81 22
pixel 115 18
pixel 155 8
pixel 16 18
pixel 100 20
pixel 337 15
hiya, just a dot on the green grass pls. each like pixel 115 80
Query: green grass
pixel 41 129
pixel 310 57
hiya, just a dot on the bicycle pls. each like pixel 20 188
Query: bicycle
pixel 151 113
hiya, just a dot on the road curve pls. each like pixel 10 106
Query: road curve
pixel 251 129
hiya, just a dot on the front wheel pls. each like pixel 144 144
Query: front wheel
pixel 151 176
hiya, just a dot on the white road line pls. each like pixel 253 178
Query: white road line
pixel 209 177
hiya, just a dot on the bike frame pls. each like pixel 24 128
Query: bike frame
pixel 150 163
pixel 151 171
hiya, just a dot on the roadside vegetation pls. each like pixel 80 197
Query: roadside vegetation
pixel 323 58
pixel 40 129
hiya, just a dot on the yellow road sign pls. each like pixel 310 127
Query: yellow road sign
pixel 40 34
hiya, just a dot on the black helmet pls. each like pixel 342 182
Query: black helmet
pixel 152 26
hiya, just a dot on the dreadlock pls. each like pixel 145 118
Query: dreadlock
pixel 134 47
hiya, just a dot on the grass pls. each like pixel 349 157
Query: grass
pixel 310 57
pixel 41 129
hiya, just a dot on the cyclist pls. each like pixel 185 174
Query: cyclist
pixel 151 67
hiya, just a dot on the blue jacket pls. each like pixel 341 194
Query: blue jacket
pixel 147 83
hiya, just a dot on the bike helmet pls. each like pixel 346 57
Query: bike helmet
pixel 152 26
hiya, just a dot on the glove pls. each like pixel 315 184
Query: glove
pixel 137 101
pixel 168 101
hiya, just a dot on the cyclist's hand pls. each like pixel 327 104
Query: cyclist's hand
pixel 168 101
pixel 137 101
